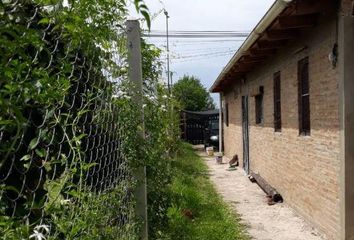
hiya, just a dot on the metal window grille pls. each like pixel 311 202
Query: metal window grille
pixel 277 102
pixel 304 97
pixel 259 107
pixel 227 114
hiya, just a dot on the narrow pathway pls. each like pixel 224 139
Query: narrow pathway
pixel 277 222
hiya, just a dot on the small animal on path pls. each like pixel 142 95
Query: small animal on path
pixel 234 161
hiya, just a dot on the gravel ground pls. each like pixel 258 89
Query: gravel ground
pixel 277 222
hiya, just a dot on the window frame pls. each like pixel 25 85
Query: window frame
pixel 304 97
pixel 259 107
pixel 227 114
pixel 277 101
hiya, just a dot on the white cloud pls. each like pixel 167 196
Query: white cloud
pixel 201 15
pixel 209 14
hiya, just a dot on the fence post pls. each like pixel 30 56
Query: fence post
pixel 135 77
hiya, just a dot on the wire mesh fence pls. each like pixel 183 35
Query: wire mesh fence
pixel 64 170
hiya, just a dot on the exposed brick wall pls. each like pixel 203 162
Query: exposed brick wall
pixel 304 169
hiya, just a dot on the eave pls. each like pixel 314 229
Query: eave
pixel 281 24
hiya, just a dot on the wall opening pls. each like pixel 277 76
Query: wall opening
pixel 227 114
pixel 304 97
pixel 259 106
pixel 277 102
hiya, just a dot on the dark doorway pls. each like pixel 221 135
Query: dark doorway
pixel 245 134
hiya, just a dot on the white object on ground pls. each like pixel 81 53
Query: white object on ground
pixel 218 157
pixel 210 151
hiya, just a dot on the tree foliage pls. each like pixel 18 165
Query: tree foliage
pixel 192 95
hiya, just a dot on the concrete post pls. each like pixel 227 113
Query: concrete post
pixel 346 88
pixel 135 77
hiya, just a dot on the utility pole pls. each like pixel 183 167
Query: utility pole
pixel 171 81
pixel 136 79
pixel 168 53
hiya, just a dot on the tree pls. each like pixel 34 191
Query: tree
pixel 192 95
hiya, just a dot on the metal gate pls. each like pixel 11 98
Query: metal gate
pixel 197 127
pixel 195 131
pixel 245 134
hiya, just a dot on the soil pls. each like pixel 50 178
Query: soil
pixel 264 222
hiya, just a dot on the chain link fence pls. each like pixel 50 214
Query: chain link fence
pixel 65 168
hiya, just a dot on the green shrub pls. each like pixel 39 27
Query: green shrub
pixel 68 125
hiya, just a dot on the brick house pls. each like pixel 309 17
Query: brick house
pixel 288 108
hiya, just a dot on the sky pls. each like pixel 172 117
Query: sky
pixel 203 58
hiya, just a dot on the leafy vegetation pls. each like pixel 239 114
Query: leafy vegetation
pixel 196 211
pixel 64 118
pixel 162 134
pixel 192 95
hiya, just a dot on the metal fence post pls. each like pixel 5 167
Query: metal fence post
pixel 135 76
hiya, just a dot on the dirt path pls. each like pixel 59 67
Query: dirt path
pixel 277 222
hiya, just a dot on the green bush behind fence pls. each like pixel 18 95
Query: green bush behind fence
pixel 68 141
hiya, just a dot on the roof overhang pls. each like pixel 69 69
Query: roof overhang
pixel 282 23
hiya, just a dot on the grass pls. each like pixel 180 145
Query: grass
pixel 198 212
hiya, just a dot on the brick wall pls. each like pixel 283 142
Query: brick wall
pixel 304 169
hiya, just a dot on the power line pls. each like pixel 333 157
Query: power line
pixel 204 54
pixel 216 31
pixel 192 38
pixel 199 32
pixel 208 49
pixel 206 41
pixel 201 40
pixel 198 56
pixel 201 58
pixel 236 35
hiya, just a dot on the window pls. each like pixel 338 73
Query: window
pixel 227 114
pixel 277 103
pixel 304 96
pixel 259 106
